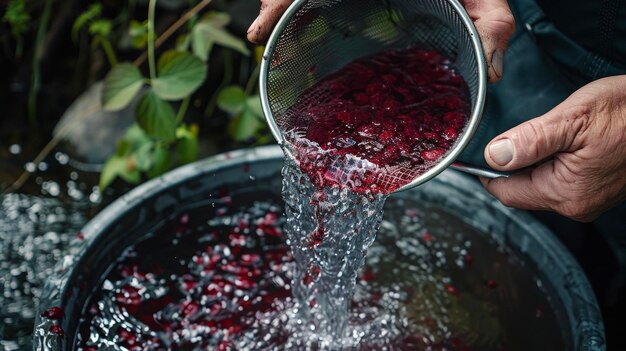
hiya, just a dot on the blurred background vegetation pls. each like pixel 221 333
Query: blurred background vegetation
pixel 126 90
pixel 97 97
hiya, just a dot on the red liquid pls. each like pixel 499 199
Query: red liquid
pixel 208 289
pixel 389 117
pixel 196 290
pixel 401 111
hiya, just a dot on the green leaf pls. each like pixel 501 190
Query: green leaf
pixel 138 32
pixel 254 104
pixel 137 137
pixel 156 117
pixel 90 14
pixel 121 85
pixel 143 157
pixel 122 147
pixel 182 42
pixel 259 50
pixel 232 99
pixel 187 144
pixel 180 74
pixel 160 161
pixel 244 126
pixel 200 45
pixel 118 166
pixel 218 19
pixel 207 32
pixel 17 16
pixel 100 27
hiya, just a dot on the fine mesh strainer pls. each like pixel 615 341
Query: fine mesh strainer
pixel 315 38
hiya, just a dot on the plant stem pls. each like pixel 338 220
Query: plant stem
pixel 108 50
pixel 182 110
pixel 173 28
pixel 36 79
pixel 151 10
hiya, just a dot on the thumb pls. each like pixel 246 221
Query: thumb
pixel 495 25
pixel 534 140
pixel 271 11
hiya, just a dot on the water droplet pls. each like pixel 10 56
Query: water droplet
pixel 30 167
pixel 15 149
pixel 62 158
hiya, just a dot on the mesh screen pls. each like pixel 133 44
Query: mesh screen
pixel 325 35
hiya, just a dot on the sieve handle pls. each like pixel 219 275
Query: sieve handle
pixel 478 171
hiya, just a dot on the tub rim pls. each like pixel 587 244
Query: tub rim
pixel 588 330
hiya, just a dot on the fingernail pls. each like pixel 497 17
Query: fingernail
pixel 501 151
pixel 253 25
pixel 496 61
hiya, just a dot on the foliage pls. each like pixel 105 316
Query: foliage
pixel 100 28
pixel 160 140
pixel 179 74
pixel 17 16
pixel 245 110
pixel 138 32
pixel 121 85
pixel 92 13
pixel 137 152
pixel 211 30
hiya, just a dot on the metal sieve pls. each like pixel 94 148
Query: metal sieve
pixel 315 38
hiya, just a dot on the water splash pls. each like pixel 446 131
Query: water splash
pixel 329 231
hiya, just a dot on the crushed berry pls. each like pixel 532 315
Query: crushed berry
pixel 57 329
pixel 427 237
pixel 400 110
pixel 214 286
pixel 53 313
pixel 450 289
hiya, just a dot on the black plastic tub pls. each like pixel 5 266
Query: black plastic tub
pixel 127 220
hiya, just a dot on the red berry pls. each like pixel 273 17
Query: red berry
pixel 450 289
pixel 432 155
pixel 450 133
pixel 56 329
pixel 427 237
pixel 53 313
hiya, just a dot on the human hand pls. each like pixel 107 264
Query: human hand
pixel 495 25
pixel 576 153
pixel 493 20
pixel 270 13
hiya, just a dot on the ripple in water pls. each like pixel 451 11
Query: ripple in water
pixel 354 138
pixel 358 135
pixel 35 234
pixel 430 282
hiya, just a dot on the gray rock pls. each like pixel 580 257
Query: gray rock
pixel 87 132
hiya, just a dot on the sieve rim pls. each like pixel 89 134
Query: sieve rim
pixel 454 152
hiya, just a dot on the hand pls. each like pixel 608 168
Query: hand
pixel 576 153
pixel 261 28
pixel 495 25
pixel 493 20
